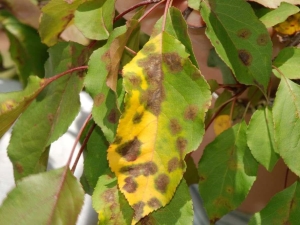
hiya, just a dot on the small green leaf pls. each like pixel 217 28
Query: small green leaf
pixel 261 141
pixel 50 114
pixel 287 62
pixel 95 18
pixel 54 197
pixel 286 114
pixel 283 208
pixel 240 39
pixel 194 4
pixel 227 171
pixel 56 16
pixel 271 17
pixel 26 49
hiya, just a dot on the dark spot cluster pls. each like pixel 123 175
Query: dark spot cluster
pixel 175 126
pixel 173 61
pixel 145 169
pixel 153 98
pixel 113 116
pixel 130 185
pixel 130 150
pixel 154 203
pixel 245 57
pixel 191 112
pixel 135 80
pixel 181 144
pixel 138 210
pixel 262 39
pixel 99 99
pixel 173 164
pixel 147 220
pixel 161 182
pixel 137 118
pixel 244 33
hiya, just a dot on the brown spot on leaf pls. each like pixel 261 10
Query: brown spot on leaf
pixel 137 118
pixel 149 48
pixel 173 61
pixel 175 126
pixel 138 210
pixel 145 169
pixel 181 144
pixel 113 116
pixel 213 220
pixel 191 112
pixel 130 185
pixel 162 182
pixel 262 39
pixel 50 118
pixel 135 80
pixel 130 150
pixel 147 220
pixel 223 202
pixel 245 57
pixel 173 164
pixel 109 196
pixel 202 178
pixel 99 99
pixel 229 189
pixel 117 140
pixel 153 99
pixel 19 168
pixel 196 75
pixel 68 17
pixel 154 203
pixel 244 33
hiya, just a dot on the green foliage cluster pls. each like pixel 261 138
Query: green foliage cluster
pixel 151 109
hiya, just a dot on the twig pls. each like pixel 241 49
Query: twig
pixel 168 4
pixel 130 50
pixel 51 79
pixel 150 10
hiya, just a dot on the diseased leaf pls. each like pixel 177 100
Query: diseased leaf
pixel 287 62
pixel 54 197
pixel 176 26
pixel 290 26
pixel 271 17
pixel 240 39
pixel 14 103
pixel 154 134
pixel 95 18
pixel 50 114
pixel 261 141
pixel 179 211
pixel 55 18
pixel 105 61
pixel 283 208
pixel 286 114
pixel 26 49
pixel 222 123
pixel 227 171
pixel 275 3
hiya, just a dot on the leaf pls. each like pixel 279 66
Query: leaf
pixel 14 103
pixel 275 3
pixel 50 114
pixel 105 61
pixel 240 39
pixel 271 17
pixel 176 26
pixel 261 141
pixel 290 26
pixel 191 174
pixel 110 203
pixel 286 114
pixel 222 123
pixel 54 197
pixel 95 18
pixel 55 18
pixel 227 171
pixel 154 134
pixel 287 62
pixel 26 49
pixel 179 211
pixel 283 208
pixel 194 4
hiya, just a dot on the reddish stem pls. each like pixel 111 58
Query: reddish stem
pixel 168 4
pixel 150 10
pixel 51 79
pixel 130 50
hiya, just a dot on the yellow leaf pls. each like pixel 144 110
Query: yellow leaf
pixel 290 26
pixel 221 123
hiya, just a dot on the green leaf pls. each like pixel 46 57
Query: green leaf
pixel 105 61
pixel 287 62
pixel 110 203
pixel 227 171
pixel 271 17
pixel 179 211
pixel 26 49
pixel 54 197
pixel 95 163
pixel 50 114
pixel 194 4
pixel 95 18
pixel 240 39
pixel 176 26
pixel 154 134
pixel 283 208
pixel 14 103
pixel 261 141
pixel 286 114
pixel 191 175
pixel 56 16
